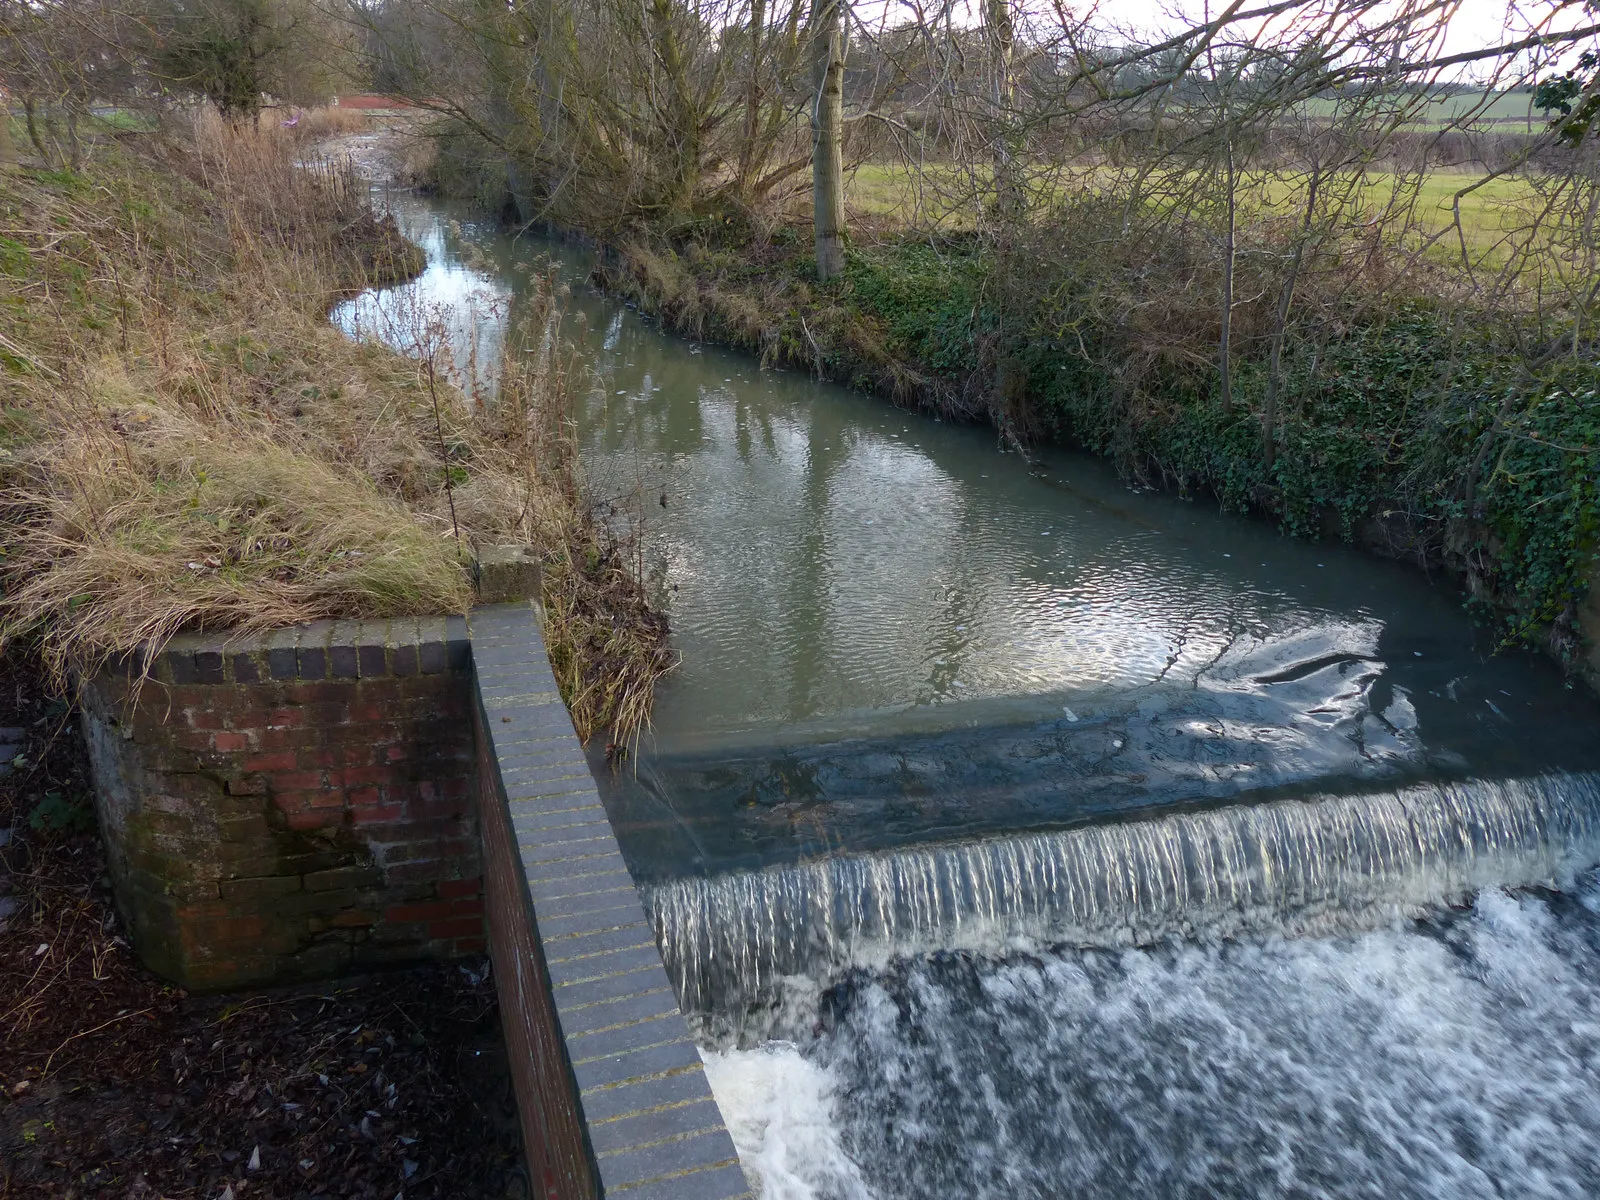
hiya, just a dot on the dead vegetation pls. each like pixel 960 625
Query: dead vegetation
pixel 189 444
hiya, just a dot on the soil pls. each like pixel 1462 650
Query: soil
pixel 116 1084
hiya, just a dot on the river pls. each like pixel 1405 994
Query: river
pixel 1009 832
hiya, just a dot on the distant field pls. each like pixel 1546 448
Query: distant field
pixel 1508 110
pixel 890 194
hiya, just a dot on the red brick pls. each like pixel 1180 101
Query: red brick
pixel 369 814
pixel 190 695
pixel 202 910
pixel 353 918
pixel 321 759
pixel 422 871
pixel 291 802
pixel 467 906
pixel 315 819
pixel 360 776
pixel 295 781
pixel 193 740
pixel 289 739
pixel 456 927
pixel 200 718
pixel 314 692
pixel 365 797
pixel 365 710
pixel 325 798
pixel 395 753
pixel 278 760
pixel 228 929
pixel 430 910
pixel 470 945
pixel 283 718
pixel 426 833
pixel 435 810
pixel 453 889
pixel 229 742
pixel 355 754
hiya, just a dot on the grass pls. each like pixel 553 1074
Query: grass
pixel 938 195
pixel 187 443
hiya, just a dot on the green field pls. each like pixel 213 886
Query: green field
pixel 942 195
pixel 1512 110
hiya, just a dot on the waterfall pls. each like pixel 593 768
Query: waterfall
pixel 1295 866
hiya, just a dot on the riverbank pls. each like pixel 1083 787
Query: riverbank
pixel 191 445
pixel 1417 433
pixel 187 443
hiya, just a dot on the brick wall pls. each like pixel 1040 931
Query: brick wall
pixel 306 803
pixel 294 805
pixel 559 1162
pixel 613 1097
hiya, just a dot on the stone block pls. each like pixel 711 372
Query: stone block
pixel 506 574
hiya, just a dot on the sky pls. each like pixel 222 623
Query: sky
pixel 1475 24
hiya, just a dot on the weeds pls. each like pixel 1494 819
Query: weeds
pixel 189 444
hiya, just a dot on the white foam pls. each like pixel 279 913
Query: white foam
pixel 1456 1058
pixel 779 1109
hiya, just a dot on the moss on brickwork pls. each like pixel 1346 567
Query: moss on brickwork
pixel 290 828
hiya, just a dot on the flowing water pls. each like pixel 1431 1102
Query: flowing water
pixel 1009 832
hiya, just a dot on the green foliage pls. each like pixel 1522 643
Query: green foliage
pixel 1541 500
pixel 1395 414
pixel 928 299
pixel 1573 98
pixel 220 66
pixel 60 812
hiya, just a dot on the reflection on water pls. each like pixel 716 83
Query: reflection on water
pixel 948 732
pixel 892 630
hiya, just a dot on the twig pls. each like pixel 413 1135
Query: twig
pixel 444 455
pixel 85 1033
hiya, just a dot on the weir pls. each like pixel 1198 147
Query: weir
pixel 991 826
pixel 1323 865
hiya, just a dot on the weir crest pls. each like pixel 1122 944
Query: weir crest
pixel 1323 865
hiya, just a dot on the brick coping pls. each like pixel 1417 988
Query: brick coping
pixel 651 1124
pixel 381 649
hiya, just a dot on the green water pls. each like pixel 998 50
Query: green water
pixel 891 630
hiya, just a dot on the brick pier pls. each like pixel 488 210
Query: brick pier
pixel 337 796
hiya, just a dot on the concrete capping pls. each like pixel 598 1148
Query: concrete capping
pixel 603 1009
pixel 508 574
pixel 339 650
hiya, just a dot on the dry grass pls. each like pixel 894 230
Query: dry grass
pixel 188 443
pixel 318 124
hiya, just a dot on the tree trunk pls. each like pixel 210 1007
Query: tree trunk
pixel 1225 350
pixel 8 150
pixel 1280 328
pixel 1002 42
pixel 30 110
pixel 680 137
pixel 827 137
pixel 752 97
